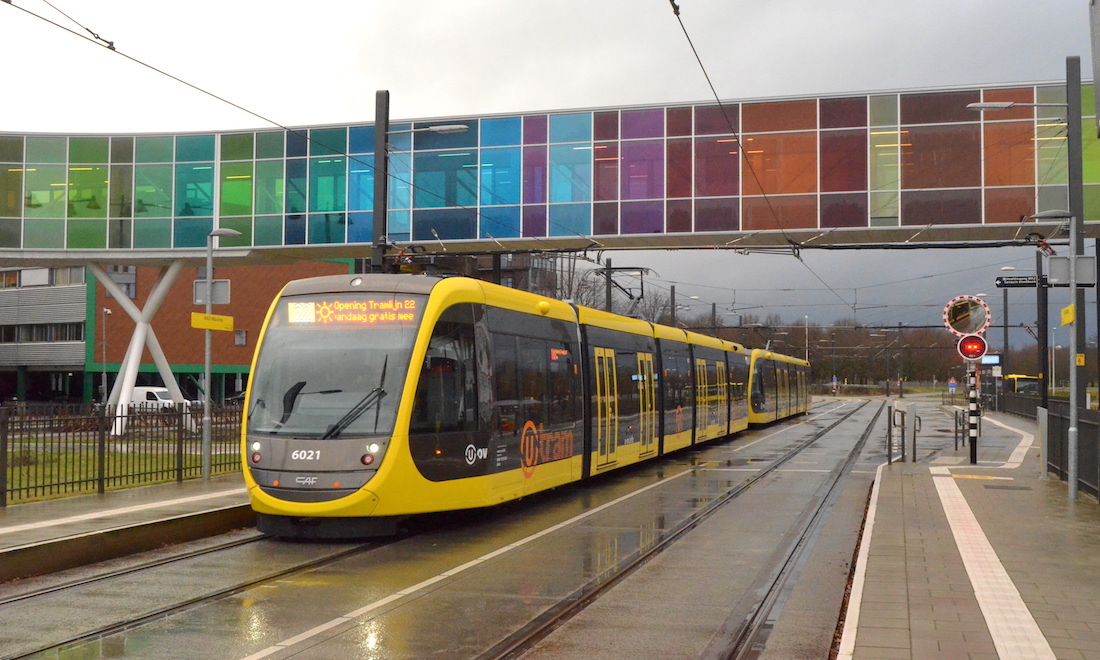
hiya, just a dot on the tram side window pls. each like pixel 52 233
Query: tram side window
pixel 739 376
pixel 533 370
pixel 446 395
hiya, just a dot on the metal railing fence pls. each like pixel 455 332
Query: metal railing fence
pixel 51 450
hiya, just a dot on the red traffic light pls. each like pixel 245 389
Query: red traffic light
pixel 972 347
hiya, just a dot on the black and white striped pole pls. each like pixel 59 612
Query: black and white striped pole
pixel 972 348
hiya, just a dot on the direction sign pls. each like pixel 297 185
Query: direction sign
pixel 1017 281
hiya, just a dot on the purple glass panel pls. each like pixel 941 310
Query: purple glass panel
pixel 534 175
pixel 843 161
pixel 717 164
pixel 678 158
pixel 534 221
pixel 844 113
pixel 605 219
pixel 643 123
pixel 605 125
pixel 679 215
pixel 605 169
pixel 643 169
pixel 534 129
pixel 941 207
pixel 789 212
pixel 717 215
pixel 711 119
pixel 941 156
pixel 643 217
pixel 847 210
pixel 939 107
pixel 678 121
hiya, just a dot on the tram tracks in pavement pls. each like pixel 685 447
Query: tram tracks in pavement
pixel 524 639
pixel 172 606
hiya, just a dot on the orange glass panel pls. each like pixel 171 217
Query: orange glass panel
pixel 1009 154
pixel 1021 95
pixel 798 212
pixel 941 157
pixel 779 164
pixel 779 116
pixel 1008 204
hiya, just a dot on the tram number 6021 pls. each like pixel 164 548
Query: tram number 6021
pixel 305 455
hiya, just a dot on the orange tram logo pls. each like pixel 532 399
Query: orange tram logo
pixel 539 447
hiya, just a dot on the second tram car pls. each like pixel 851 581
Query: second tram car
pixel 377 397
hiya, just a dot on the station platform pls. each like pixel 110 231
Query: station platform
pixel 976 561
pixel 42 537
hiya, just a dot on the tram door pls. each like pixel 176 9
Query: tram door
pixel 647 398
pixel 701 408
pixel 607 407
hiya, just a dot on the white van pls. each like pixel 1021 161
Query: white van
pixel 151 398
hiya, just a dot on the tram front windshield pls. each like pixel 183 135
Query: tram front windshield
pixel 333 365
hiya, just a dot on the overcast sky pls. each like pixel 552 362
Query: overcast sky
pixel 314 63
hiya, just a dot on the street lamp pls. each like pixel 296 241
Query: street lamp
pixel 103 344
pixel 382 171
pixel 222 231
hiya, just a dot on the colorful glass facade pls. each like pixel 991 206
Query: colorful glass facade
pixel 909 158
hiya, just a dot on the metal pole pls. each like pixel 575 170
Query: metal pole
pixel 1071 444
pixel 1074 164
pixel 1004 356
pixel 103 342
pixel 672 303
pixel 381 178
pixel 1041 313
pixel 607 286
pixel 972 387
pixel 206 360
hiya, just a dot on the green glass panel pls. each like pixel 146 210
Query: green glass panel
pixel 269 187
pixel 270 145
pixel 1088 103
pixel 1092 203
pixel 237 146
pixel 88 192
pixel 1051 156
pixel 236 196
pixel 88 150
pixel 154 149
pixel 1051 94
pixel 193 148
pixel 11 149
pixel 46 149
pixel 122 150
pixel 119 232
pixel 884 209
pixel 86 234
pixel 1053 198
pixel 122 192
pixel 194 190
pixel 152 191
pixel 884 110
pixel 269 230
pixel 326 227
pixel 10 230
pixel 243 225
pixel 884 160
pixel 1090 152
pixel 328 182
pixel 45 193
pixel 191 232
pixel 328 141
pixel 155 233
pixel 11 191
pixel 44 234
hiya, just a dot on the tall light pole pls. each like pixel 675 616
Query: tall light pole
pixel 103 345
pixel 222 231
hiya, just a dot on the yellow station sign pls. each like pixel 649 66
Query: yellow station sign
pixel 211 321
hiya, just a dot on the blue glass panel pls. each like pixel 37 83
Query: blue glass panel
pixel 570 173
pixel 328 180
pixel 194 190
pixel 326 227
pixel 399 228
pixel 296 179
pixel 500 222
pixel 501 131
pixel 268 230
pixel 192 148
pixel 361 140
pixel 328 141
pixel 501 176
pixel 361 183
pixel 191 232
pixel 444 224
pixel 361 227
pixel 156 233
pixel 571 128
pixel 570 220
pixel 446 178
pixel 294 231
pixel 297 144
pixel 400 139
pixel 426 140
pixel 400 181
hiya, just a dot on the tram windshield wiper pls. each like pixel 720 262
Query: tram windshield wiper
pixel 290 397
pixel 372 398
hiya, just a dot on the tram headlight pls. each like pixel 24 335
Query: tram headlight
pixel 256 446
pixel 373 447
